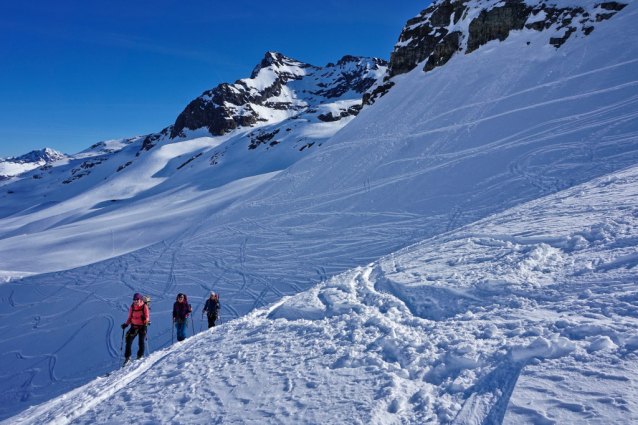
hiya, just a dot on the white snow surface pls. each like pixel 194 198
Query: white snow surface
pixel 527 316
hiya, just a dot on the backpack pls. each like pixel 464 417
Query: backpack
pixel 216 299
pixel 147 302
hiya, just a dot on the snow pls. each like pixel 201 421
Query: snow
pixel 357 349
pixel 461 252
pixel 11 166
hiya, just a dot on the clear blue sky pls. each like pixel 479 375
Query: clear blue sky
pixel 73 73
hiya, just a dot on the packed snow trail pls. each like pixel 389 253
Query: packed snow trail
pixel 527 316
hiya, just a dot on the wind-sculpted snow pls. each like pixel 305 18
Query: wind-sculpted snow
pixel 527 316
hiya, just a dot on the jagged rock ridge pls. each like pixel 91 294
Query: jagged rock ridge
pixel 287 108
pixel 271 86
pixel 449 26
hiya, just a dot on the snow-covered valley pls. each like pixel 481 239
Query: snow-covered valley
pixel 461 251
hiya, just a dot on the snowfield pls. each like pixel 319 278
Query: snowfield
pixel 528 316
pixel 463 251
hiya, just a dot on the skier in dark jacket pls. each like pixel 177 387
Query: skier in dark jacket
pixel 138 318
pixel 181 310
pixel 212 306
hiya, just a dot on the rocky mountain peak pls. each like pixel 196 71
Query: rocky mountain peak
pixel 14 166
pixel 375 63
pixel 277 62
pixel 273 86
pixel 451 26
pixel 45 155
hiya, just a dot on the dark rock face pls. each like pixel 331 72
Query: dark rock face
pixel 330 117
pixel 228 106
pixel 427 37
pixel 216 109
pixel 260 138
pixel 612 5
pixel 422 34
pixel 350 78
pixel 190 160
pixel 370 97
pixel 497 23
pixel 444 51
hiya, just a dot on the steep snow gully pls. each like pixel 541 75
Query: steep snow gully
pixel 509 173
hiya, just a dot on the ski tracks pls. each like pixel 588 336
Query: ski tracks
pixel 64 410
pixel 487 401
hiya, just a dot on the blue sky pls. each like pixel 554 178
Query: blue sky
pixel 73 73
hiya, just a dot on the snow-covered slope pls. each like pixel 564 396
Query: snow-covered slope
pixel 506 123
pixel 13 166
pixel 122 195
pixel 527 316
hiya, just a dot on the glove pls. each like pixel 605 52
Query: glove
pixel 124 325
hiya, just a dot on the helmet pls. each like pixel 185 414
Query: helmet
pixel 212 294
pixel 137 296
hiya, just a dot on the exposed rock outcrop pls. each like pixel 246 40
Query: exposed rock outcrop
pixel 230 106
pixel 451 26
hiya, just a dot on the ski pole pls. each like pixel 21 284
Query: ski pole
pixel 172 331
pixel 148 347
pixel 193 324
pixel 201 324
pixel 121 346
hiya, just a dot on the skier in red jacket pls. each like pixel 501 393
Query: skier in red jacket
pixel 138 318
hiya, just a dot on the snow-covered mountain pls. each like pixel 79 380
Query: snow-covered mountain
pixel 232 135
pixel 14 166
pixel 527 134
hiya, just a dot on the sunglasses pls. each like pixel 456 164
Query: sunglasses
pixel 180 298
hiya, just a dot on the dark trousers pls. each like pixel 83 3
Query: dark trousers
pixel 212 318
pixel 140 332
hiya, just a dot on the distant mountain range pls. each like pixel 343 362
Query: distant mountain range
pixel 282 99
pixel 14 166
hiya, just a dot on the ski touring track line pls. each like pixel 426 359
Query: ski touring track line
pixel 63 410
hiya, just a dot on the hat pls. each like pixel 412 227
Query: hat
pixel 137 296
pixel 212 294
